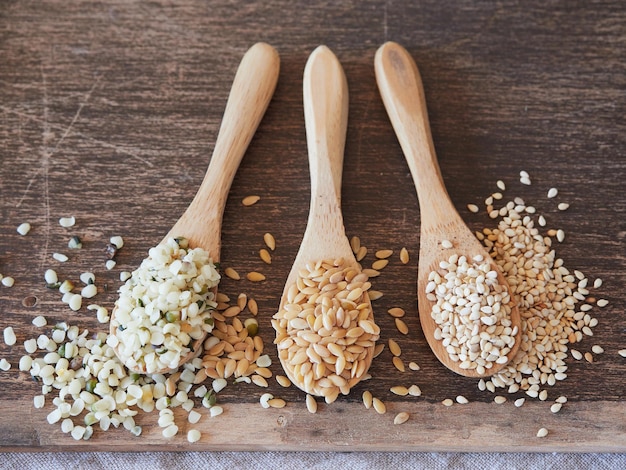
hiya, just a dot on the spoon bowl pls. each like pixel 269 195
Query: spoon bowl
pixel 443 233
pixel 201 222
pixel 325 246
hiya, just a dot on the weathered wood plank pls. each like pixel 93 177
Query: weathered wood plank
pixel 108 111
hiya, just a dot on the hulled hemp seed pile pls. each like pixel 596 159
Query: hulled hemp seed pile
pixel 164 307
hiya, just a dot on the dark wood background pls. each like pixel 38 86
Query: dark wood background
pixel 109 111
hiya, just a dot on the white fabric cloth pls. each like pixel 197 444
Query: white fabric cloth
pixel 309 460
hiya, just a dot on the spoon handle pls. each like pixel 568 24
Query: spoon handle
pixel 250 94
pixel 325 94
pixel 402 92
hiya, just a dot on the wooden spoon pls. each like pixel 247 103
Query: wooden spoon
pixel 326 116
pixel 401 89
pixel 249 97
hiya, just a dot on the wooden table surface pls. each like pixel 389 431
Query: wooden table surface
pixel 109 111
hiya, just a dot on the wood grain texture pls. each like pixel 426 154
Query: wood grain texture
pixel 109 112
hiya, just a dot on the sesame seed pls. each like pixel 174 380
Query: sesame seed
pixel 552 192
pixel 499 399
pixel 8 281
pixel 602 302
pixel 525 181
pixel 597 349
pixel 500 184
pixel 560 235
pixel 576 354
pixel 414 366
pixel 597 283
pixel 543 432
pixel 542 221
pixel 519 402
pixel 447 244
pixel 462 400
pixel 556 407
pixel 622 352
pixel 473 208
pixel 447 402
pixel 60 257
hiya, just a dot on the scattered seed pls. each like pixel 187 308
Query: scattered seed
pixel 576 354
pixel 374 294
pixel 563 206
pixel 117 241
pixel 447 244
pixel 399 390
pixel 414 366
pixel 394 347
pixel 499 399
pixel 265 256
pixel 447 402
pixel 542 221
pixel 380 264
pixel 270 241
pixel 253 307
pixel 367 399
pixel 556 407
pixel 473 208
pixel 9 336
pixel 500 184
pixel 401 417
pixel 462 400
pixel 602 303
pixel 23 228
pixel 110 264
pixel 311 404
pixel 254 276
pixel 398 364
pixel 355 244
pixel 622 352
pixel 525 181
pixel 283 381
pixel 383 254
pixel 379 406
pixel 552 192
pixel 597 349
pixel 519 402
pixel 560 235
pixel 415 391
pixel 250 200
pixel 396 312
pixel 67 221
pixel 588 357
pixel 404 255
pixel 231 273
pixel 60 257
pixel 193 435
pixel 361 253
pixel 401 326
pixel 543 432
pixel 277 403
pixel 8 281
